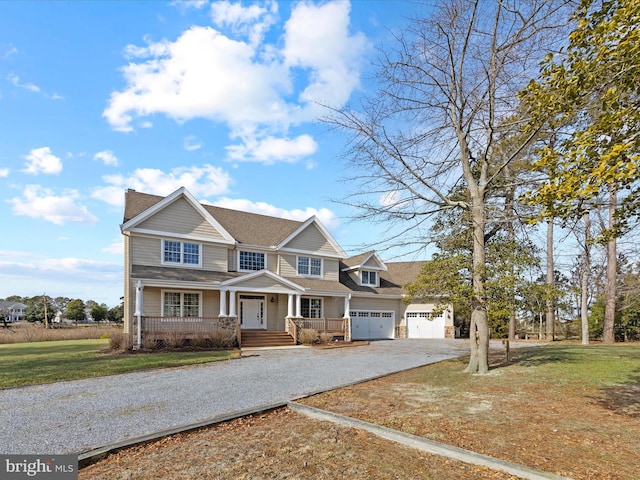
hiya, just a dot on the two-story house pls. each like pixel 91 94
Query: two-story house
pixel 193 267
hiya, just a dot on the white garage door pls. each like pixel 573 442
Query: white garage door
pixel 424 325
pixel 371 325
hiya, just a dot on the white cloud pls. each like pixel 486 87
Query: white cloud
pixel 116 247
pixel 202 181
pixel 258 90
pixel 107 157
pixel 41 160
pixel 270 149
pixel 10 51
pixel 191 143
pixel 26 274
pixel 251 22
pixel 4 172
pixel 27 86
pixel 184 5
pixel 334 67
pixel 202 74
pixel 390 198
pixel 326 216
pixel 40 202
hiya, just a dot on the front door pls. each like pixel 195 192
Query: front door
pixel 252 314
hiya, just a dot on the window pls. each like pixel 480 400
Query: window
pixel 369 278
pixel 251 261
pixel 311 307
pixel 180 253
pixel 181 304
pixel 310 266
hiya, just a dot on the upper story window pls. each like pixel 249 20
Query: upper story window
pixel 367 277
pixel 181 253
pixel 251 261
pixel 310 266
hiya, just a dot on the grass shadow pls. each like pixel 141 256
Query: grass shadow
pixel 623 398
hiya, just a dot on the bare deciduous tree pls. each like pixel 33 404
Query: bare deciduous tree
pixel 446 116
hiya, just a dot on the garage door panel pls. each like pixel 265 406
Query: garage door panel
pixel 424 325
pixel 372 325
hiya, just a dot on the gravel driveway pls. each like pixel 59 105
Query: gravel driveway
pixel 82 415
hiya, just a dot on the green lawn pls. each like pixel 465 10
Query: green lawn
pixel 46 362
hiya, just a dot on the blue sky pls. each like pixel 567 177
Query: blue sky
pixel 222 98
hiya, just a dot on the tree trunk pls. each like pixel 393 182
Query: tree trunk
pixel 479 331
pixel 610 287
pixel 584 280
pixel 509 214
pixel 550 316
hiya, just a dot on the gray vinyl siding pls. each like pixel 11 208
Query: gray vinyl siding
pixel 289 267
pixel 331 269
pixel 180 217
pixel 261 282
pixel 372 263
pixel 153 301
pixel 311 240
pixel 272 262
pixel 148 251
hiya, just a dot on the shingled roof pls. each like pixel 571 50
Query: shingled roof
pixel 246 228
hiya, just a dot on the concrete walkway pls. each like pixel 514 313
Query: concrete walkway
pixel 84 415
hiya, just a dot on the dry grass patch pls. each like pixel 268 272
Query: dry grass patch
pixel 280 445
pixel 33 332
pixel 572 411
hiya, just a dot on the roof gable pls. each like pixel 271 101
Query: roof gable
pixel 262 280
pixel 312 237
pixel 149 209
pixel 365 261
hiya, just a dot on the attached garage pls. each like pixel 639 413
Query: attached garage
pixel 425 325
pixel 370 325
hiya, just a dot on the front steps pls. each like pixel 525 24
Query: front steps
pixel 265 338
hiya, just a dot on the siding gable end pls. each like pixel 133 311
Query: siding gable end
pixel 180 217
pixel 312 237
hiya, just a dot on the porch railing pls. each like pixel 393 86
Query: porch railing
pixel 293 329
pixel 337 326
pixel 189 326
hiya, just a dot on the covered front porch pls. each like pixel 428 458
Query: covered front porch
pixel 197 312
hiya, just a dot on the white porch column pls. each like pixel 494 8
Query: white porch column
pixel 223 303
pixel 347 300
pixel 298 305
pixel 232 304
pixel 290 306
pixel 139 312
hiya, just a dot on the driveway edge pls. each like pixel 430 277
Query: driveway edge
pixel 425 444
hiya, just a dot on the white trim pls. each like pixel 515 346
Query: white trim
pixel 168 200
pixel 312 297
pixel 246 250
pixel 288 283
pixel 181 263
pixel 369 272
pixel 361 266
pixel 322 229
pixel 181 292
pixel 142 232
pixel 299 251
pixel 309 275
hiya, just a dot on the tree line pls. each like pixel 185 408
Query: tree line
pixel 46 309
pixel 494 123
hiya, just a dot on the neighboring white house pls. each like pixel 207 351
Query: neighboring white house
pixel 14 311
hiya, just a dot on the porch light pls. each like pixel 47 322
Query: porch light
pixel 273 299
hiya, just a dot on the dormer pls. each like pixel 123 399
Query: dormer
pixel 365 269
